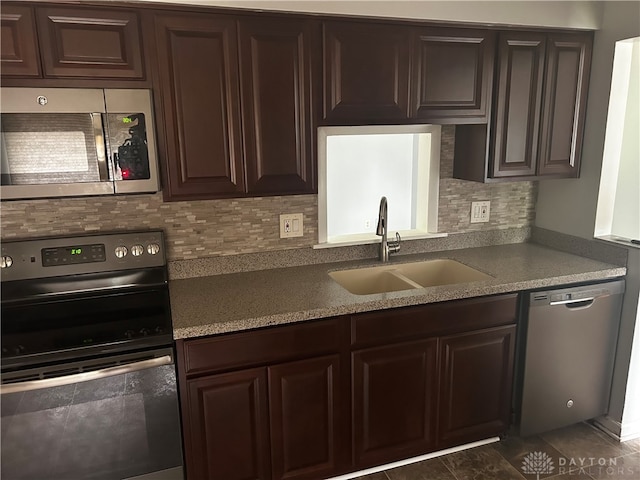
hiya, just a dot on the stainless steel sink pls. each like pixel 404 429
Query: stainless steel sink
pixel 406 276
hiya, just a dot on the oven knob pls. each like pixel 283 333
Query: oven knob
pixel 144 332
pixel 137 250
pixel 129 334
pixel 121 251
pixel 19 350
pixel 153 248
pixel 6 261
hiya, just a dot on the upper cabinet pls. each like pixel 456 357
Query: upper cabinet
pixel 276 80
pixel 19 44
pixel 71 42
pixel 452 75
pixel 540 106
pixel 366 72
pixel 236 104
pixel 383 73
pixel 200 99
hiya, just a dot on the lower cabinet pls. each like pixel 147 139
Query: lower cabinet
pixel 475 388
pixel 318 399
pixel 278 419
pixel 394 402
pixel 228 420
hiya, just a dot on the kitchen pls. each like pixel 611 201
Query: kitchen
pixel 205 233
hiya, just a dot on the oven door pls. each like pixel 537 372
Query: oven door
pixel 111 418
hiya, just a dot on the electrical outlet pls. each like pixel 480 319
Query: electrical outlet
pixel 291 225
pixel 480 212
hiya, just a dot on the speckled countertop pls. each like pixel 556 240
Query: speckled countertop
pixel 240 301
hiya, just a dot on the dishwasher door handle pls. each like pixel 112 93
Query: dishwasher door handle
pixel 575 303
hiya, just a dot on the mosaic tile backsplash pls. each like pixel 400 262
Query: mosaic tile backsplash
pixel 208 228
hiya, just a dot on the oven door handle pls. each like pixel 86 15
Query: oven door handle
pixel 85 376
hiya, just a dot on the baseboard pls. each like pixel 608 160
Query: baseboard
pixel 409 461
pixel 621 432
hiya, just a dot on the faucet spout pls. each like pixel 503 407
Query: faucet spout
pixel 386 247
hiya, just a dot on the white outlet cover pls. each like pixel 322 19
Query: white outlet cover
pixel 480 212
pixel 291 225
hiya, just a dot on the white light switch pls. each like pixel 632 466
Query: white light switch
pixel 291 225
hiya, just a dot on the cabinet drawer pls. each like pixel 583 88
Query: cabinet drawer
pixel 239 350
pixel 386 326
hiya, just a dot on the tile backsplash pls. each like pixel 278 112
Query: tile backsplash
pixel 206 228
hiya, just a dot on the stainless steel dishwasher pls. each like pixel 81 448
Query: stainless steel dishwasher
pixel 571 337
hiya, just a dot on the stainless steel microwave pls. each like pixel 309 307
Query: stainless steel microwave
pixel 59 142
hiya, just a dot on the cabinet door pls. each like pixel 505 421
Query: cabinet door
pixel 475 389
pixel 454 75
pixel 366 72
pixel 394 402
pixel 565 99
pixel 307 421
pixel 276 77
pixel 19 44
pixel 200 100
pixel 90 42
pixel 228 427
pixel 518 106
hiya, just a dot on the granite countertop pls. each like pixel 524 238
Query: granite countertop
pixel 240 301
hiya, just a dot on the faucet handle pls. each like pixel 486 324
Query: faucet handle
pixel 394 246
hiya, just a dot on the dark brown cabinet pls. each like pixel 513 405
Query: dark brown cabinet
pixel 306 403
pixel 90 42
pixel 366 72
pixel 19 56
pixel 238 116
pixel 540 107
pixel 518 104
pixel 276 88
pixel 565 102
pixel 228 418
pixel 453 75
pixel 254 409
pixel 200 100
pixel 475 390
pixel 71 42
pixel 394 402
pixel 318 399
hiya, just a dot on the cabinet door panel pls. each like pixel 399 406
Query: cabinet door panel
pixel 475 390
pixel 568 60
pixel 305 401
pixel 454 74
pixel 518 108
pixel 228 427
pixel 197 61
pixel 366 72
pixel 276 71
pixel 87 42
pixel 393 402
pixel 19 55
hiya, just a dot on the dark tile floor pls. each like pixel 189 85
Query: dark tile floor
pixel 579 452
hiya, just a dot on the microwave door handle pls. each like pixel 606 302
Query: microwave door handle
pixel 98 132
pixel 85 376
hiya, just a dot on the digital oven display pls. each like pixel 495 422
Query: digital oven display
pixel 73 255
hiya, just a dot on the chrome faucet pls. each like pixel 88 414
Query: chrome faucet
pixel 386 247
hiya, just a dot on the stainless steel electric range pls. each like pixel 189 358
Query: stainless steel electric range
pixel 88 375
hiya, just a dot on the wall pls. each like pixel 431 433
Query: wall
pixel 569 14
pixel 227 227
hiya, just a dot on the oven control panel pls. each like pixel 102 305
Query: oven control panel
pixel 57 256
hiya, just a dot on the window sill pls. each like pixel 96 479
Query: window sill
pixel 352 240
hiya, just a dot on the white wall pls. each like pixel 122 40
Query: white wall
pixel 569 14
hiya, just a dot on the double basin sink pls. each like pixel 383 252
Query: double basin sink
pixel 406 276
